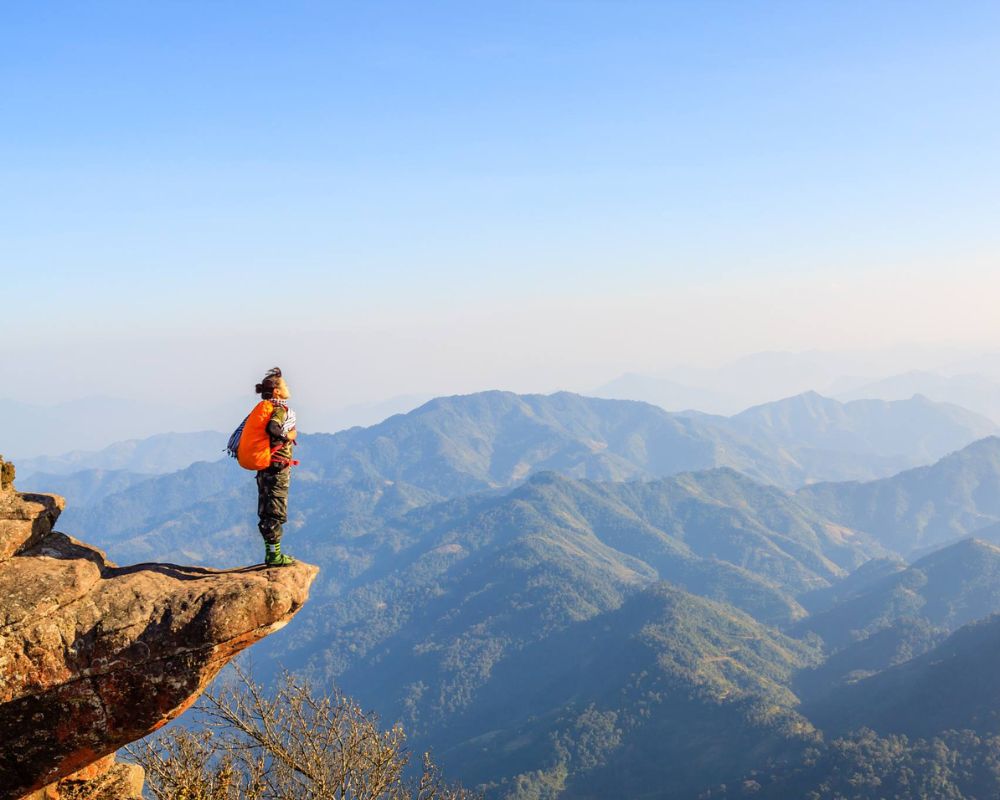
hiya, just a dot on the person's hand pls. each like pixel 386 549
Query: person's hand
pixel 293 435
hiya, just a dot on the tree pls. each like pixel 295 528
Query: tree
pixel 295 745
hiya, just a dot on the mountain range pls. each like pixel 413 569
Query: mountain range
pixel 492 441
pixel 976 392
pixel 154 455
pixel 570 598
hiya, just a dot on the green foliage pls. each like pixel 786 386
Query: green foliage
pixel 956 685
pixel 955 765
pixel 667 687
pixel 895 644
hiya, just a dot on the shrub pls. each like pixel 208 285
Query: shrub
pixel 296 745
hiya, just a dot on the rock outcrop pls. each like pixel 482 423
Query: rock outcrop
pixel 93 656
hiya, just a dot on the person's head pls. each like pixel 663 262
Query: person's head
pixel 273 386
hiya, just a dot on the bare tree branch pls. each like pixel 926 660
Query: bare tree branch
pixel 293 745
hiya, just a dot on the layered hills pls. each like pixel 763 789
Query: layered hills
pixel 565 596
pixel 923 507
pixel 466 583
pixel 492 441
pixel 649 694
pixel 946 589
pixel 155 455
pixel 823 434
pixel 954 686
pixel 460 597
pixel 901 615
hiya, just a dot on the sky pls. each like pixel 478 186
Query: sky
pixel 398 198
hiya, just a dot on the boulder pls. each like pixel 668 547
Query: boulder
pixel 94 656
pixel 26 519
pixel 105 779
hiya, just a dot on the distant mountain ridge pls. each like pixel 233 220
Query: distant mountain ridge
pixel 918 427
pixel 922 507
pixel 489 442
pixel 761 377
pixel 492 440
pixel 85 488
pixel 976 392
pixel 155 455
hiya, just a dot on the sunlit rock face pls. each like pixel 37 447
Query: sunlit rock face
pixel 93 656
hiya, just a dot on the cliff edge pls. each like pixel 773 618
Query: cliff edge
pixel 94 656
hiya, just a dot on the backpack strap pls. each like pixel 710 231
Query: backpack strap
pixel 276 459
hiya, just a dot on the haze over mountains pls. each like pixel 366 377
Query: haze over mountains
pixel 493 440
pixel 950 376
pixel 155 455
pixel 80 429
pixel 569 597
pixel 955 375
pixel 973 391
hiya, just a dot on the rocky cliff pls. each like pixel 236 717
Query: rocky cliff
pixel 93 656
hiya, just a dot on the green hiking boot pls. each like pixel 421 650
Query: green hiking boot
pixel 273 556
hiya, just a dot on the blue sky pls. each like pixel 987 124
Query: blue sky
pixel 361 175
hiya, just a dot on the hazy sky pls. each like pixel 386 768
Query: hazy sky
pixel 401 198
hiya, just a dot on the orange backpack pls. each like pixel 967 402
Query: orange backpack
pixel 254 448
pixel 250 443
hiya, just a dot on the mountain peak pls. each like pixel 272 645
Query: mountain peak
pixel 969 547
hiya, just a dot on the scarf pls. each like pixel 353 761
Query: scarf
pixel 289 422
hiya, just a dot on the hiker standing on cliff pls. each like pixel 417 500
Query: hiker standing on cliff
pixel 264 443
pixel 274 480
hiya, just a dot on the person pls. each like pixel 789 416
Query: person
pixel 273 481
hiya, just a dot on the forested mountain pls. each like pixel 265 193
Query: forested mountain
pixel 922 507
pixel 953 765
pixel 177 517
pixel 464 583
pixel 456 445
pixel 446 448
pixel 954 686
pixel 565 596
pixel 449 447
pixel 946 589
pixel 928 727
pixel 902 614
pixel 455 591
pixel 647 695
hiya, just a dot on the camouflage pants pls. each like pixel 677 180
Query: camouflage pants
pixel 272 502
